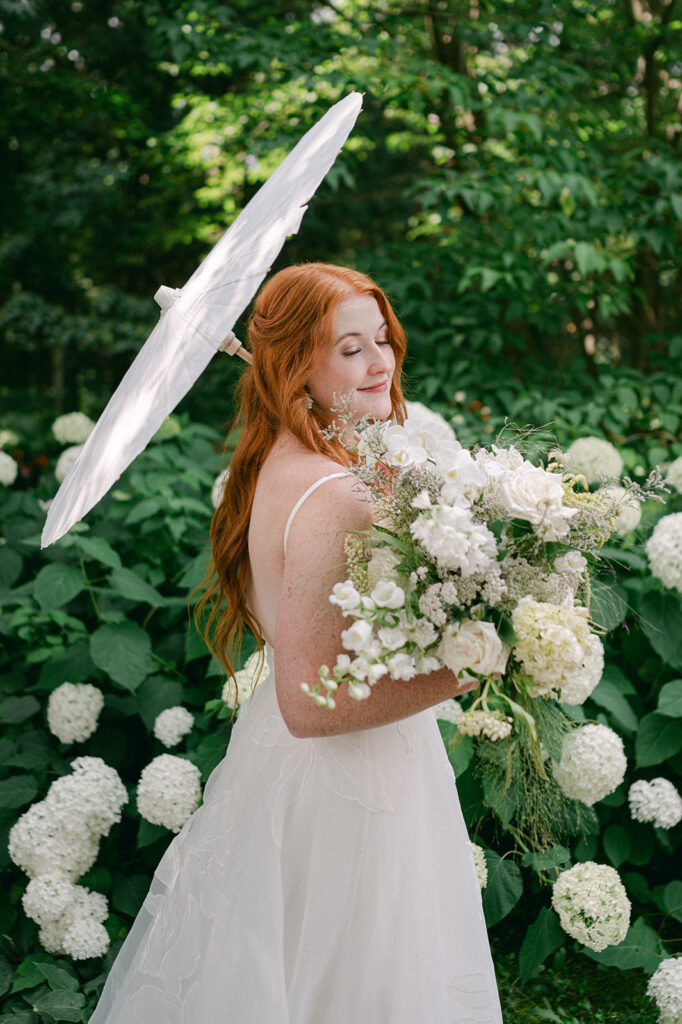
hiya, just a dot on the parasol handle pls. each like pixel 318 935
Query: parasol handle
pixel 233 346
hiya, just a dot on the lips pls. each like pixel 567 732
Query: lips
pixel 375 389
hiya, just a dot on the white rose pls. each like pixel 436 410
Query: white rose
pixel 475 646
pixel 533 494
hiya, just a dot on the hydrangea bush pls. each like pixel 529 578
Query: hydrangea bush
pixel 105 610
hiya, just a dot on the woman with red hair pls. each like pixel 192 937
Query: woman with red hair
pixel 328 877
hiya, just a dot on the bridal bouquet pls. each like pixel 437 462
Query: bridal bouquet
pixel 478 561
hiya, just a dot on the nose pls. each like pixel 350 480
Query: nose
pixel 383 360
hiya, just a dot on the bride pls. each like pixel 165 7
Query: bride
pixel 328 877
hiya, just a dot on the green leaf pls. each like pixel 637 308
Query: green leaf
pixel 61 1005
pixel 661 614
pixel 57 584
pixel 74 666
pixel 124 652
pixel 641 948
pixel 541 860
pixel 57 978
pixel 461 755
pixel 608 605
pixel 131 586
pixel 14 710
pixel 148 833
pixel 676 203
pixel 99 549
pixel 5 974
pixel 543 937
pixel 658 738
pixel 128 893
pixel 504 887
pixel 17 790
pixel 155 695
pixel 616 844
pixel 670 699
pixel 143 510
pixel 672 899
pixel 11 564
pixel 607 694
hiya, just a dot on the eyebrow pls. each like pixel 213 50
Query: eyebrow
pixel 358 334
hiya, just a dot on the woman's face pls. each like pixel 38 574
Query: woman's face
pixel 361 361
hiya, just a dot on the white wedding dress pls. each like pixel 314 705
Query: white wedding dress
pixel 323 881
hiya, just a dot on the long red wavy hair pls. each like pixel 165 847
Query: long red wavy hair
pixel 289 333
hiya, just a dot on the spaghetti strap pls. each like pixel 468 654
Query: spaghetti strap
pixel 304 496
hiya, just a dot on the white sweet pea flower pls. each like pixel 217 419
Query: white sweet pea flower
pixel 345 596
pixel 420 412
pixel 387 594
pixel 359 691
pixel 401 666
pixel 454 540
pixel 463 478
pixel 357 636
pixel 342 666
pixel 401 449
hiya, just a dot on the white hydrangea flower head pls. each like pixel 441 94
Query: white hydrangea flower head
pixel 218 488
pixel 592 765
pixel 8 469
pixel 555 647
pixel 72 428
pixel 673 474
pixel 480 865
pixel 73 711
pixel 94 794
pixel 595 458
pixel 78 931
pixel 255 670
pixel 8 438
pixel 48 840
pixel 592 905
pixel 664 551
pixel 657 801
pixel 449 711
pixel 665 988
pixel 172 724
pixel 66 461
pixel 85 939
pixel 419 411
pixel 625 509
pixel 47 897
pixel 169 791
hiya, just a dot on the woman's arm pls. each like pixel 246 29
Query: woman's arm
pixel 308 632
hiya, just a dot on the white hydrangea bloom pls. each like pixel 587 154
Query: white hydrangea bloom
pixel 592 765
pixel 657 801
pixel 674 474
pixel 595 458
pixel 47 897
pixel 8 469
pixel 72 428
pixel 66 461
pixel 94 794
pixel 556 649
pixel 664 551
pixel 172 724
pixel 480 865
pixel 665 988
pixel 218 488
pixel 625 509
pixel 73 711
pixel 449 711
pixel 47 841
pixel 8 438
pixel 85 938
pixel 78 931
pixel 592 905
pixel 169 791
pixel 246 679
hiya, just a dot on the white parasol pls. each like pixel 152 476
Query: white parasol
pixel 196 320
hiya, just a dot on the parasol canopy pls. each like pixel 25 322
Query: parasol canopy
pixel 196 321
